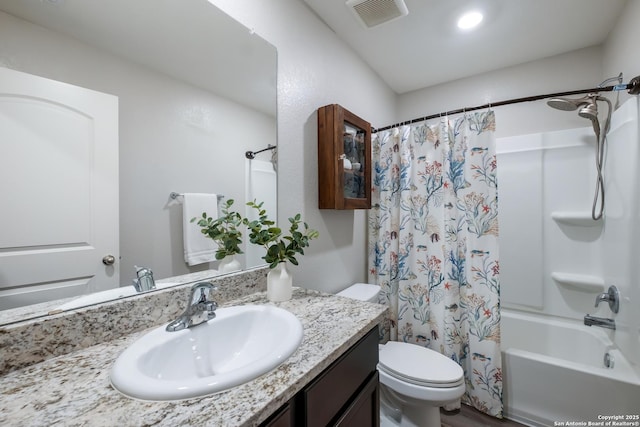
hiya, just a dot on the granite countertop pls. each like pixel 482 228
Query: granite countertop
pixel 74 389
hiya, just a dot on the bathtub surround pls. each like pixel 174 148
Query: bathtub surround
pixel 433 249
pixel 74 389
pixel 550 283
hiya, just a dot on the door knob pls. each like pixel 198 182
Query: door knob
pixel 108 260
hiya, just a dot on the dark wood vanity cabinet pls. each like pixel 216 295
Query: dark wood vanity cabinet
pixel 344 159
pixel 344 394
pixel 283 417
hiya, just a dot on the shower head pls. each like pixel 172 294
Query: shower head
pixel 566 104
pixel 590 111
pixel 587 104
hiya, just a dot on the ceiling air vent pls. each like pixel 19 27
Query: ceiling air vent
pixel 375 12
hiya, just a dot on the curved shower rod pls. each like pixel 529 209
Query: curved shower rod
pixel 633 88
pixel 252 154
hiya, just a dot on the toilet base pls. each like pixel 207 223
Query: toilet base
pixel 426 417
pixel 409 416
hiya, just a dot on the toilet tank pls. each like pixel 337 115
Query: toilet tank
pixel 361 292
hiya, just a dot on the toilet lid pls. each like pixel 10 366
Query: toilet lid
pixel 419 365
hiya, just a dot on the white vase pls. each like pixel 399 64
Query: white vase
pixel 279 283
pixel 229 264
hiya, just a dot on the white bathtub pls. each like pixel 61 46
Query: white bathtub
pixel 553 372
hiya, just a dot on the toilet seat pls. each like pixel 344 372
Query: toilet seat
pixel 418 365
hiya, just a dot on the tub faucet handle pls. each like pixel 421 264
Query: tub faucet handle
pixel 612 296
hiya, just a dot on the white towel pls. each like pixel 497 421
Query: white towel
pixel 198 248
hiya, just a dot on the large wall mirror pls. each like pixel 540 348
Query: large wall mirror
pixel 195 91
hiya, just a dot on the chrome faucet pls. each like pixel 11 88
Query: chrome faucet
pixel 590 320
pixel 200 309
pixel 145 281
pixel 612 296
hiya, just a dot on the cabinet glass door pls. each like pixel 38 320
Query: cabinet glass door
pixel 344 157
pixel 354 163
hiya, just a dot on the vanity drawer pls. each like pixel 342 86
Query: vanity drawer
pixel 332 393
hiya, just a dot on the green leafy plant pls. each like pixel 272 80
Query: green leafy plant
pixel 224 230
pixel 280 248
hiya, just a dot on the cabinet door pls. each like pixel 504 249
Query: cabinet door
pixel 324 399
pixel 365 409
pixel 344 159
pixel 282 418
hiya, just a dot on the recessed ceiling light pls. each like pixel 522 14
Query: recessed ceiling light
pixel 469 20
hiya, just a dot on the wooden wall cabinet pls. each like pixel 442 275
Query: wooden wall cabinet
pixel 344 159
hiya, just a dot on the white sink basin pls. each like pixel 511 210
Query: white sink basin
pixel 239 344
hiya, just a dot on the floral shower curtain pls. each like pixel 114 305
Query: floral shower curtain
pixel 433 245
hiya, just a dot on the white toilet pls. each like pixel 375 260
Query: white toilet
pixel 414 381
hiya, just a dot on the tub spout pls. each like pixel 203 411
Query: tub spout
pixel 590 320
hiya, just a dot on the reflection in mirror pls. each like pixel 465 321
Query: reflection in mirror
pixel 192 91
pixel 354 152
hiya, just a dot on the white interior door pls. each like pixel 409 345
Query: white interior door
pixel 58 189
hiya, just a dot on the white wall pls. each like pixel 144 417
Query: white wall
pixel 620 51
pixel 575 70
pixel 315 69
pixel 173 137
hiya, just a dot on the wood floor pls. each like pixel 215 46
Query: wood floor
pixel 470 417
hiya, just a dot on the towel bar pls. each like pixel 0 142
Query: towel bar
pixel 175 195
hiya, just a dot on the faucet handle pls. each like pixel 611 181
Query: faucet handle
pixel 144 281
pixel 612 296
pixel 202 292
pixel 201 308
